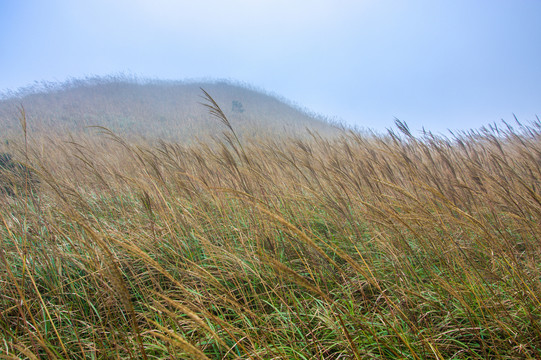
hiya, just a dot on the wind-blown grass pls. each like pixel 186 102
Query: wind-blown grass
pixel 364 246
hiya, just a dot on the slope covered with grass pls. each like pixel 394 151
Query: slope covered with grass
pixel 152 109
pixel 361 247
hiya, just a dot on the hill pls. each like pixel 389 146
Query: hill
pixel 168 110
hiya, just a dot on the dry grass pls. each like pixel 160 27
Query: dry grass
pixel 360 247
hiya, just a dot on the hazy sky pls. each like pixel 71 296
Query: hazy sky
pixel 455 64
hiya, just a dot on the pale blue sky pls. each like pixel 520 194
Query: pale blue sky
pixel 455 64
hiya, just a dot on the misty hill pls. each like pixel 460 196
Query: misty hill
pixel 154 109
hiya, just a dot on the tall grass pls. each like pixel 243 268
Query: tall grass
pixel 364 246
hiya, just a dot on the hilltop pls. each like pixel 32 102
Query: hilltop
pixel 167 110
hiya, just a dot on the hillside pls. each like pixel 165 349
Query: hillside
pixel 154 109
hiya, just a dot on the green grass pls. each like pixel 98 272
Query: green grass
pixel 384 247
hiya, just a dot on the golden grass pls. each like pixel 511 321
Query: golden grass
pixel 363 246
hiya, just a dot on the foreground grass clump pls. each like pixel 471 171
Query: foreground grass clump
pixel 360 247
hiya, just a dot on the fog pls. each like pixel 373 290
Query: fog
pixel 432 64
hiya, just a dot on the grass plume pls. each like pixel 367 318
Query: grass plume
pixel 360 246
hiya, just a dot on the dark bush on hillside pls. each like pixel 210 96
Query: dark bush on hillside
pixel 14 176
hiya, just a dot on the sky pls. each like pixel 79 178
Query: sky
pixel 435 64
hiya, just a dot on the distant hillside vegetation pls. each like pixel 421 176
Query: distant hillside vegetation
pixel 168 110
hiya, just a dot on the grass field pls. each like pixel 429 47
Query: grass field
pixel 359 247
